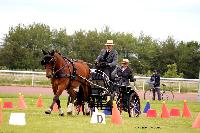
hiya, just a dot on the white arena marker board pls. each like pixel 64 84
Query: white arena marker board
pixel 17 119
pixel 98 117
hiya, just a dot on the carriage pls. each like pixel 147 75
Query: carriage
pixel 95 87
pixel 105 91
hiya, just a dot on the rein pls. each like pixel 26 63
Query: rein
pixel 72 74
pixel 94 83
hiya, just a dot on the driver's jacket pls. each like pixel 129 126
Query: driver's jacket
pixel 109 57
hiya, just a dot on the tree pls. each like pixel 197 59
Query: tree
pixel 188 59
pixel 148 53
pixel 61 42
pixel 22 46
pixel 167 53
pixel 172 72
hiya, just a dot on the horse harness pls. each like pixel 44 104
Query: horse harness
pixel 72 73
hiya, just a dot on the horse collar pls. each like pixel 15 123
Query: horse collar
pixel 61 75
pixel 71 75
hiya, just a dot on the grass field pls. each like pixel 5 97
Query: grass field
pixel 38 122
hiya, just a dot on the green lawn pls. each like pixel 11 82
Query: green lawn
pixel 38 122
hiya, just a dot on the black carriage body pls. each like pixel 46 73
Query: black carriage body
pixel 101 97
pixel 105 91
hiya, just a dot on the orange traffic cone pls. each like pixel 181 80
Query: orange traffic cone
pixel 196 123
pixel 152 113
pixel 21 102
pixel 174 112
pixel 8 105
pixel 186 113
pixel 39 101
pixel 55 107
pixel 165 113
pixel 116 118
pixel 1 114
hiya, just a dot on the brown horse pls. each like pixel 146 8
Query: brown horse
pixel 66 75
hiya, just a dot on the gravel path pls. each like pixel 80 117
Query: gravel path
pixel 48 91
pixel 26 90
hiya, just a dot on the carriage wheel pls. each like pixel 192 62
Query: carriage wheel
pixel 134 105
pixel 118 98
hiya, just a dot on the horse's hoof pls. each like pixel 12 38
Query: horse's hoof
pixel 137 115
pixel 88 113
pixel 69 113
pixel 62 114
pixel 48 112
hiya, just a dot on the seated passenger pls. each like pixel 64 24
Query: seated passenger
pixel 107 59
pixel 124 73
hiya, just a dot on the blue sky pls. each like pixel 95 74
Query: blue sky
pixel 157 18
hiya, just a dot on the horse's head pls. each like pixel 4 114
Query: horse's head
pixel 49 62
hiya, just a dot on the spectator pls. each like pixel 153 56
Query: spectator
pixel 155 80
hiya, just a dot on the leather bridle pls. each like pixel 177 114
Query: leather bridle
pixel 59 73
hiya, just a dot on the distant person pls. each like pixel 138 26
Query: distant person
pixel 155 80
pixel 124 73
pixel 107 59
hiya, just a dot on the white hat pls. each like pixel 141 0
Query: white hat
pixel 109 42
pixel 125 61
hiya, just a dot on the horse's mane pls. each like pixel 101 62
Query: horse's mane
pixel 81 61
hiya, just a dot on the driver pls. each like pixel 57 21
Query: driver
pixel 107 59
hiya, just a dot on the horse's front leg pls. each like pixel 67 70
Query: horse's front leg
pixel 54 88
pixel 56 100
pixel 59 91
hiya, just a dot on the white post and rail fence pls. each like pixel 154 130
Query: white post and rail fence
pixel 36 77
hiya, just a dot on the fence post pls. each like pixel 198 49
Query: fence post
pixel 143 85
pixel 33 76
pixel 179 87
